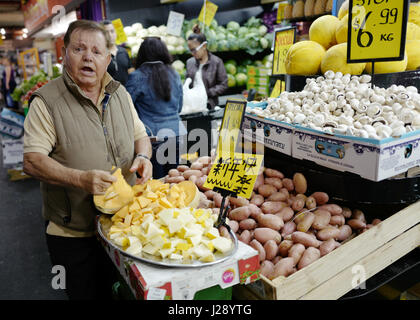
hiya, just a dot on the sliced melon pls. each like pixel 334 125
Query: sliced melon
pixel 118 195
pixel 192 194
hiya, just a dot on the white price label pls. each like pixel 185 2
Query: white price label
pixel 174 25
pixel 156 294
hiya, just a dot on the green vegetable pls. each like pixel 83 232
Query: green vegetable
pixel 230 68
pixel 241 79
pixel 231 81
pixel 233 26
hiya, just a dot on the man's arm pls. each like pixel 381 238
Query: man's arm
pixel 141 164
pixel 46 169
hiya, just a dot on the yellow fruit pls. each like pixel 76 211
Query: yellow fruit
pixel 298 9
pixel 412 48
pixel 304 58
pixel 342 29
pixel 413 31
pixel 309 8
pixel 322 30
pixel 116 196
pixel 344 9
pixel 414 13
pixel 192 195
pixel 388 66
pixel 336 60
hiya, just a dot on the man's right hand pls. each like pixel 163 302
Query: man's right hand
pixel 96 181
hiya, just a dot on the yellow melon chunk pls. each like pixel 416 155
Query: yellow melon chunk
pixel 116 196
pixel 143 201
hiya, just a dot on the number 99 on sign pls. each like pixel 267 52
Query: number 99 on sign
pixel 377 30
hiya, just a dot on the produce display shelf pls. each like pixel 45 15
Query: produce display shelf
pixel 355 261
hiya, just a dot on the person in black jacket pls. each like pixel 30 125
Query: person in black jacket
pixel 120 66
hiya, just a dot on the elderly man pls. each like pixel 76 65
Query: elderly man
pixel 78 127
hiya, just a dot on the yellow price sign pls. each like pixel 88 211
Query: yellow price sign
pixel 231 126
pixel 210 11
pixel 119 30
pixel 283 40
pixel 235 173
pixel 280 12
pixel 377 30
pixel 279 87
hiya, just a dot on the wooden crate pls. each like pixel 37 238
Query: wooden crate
pixel 340 271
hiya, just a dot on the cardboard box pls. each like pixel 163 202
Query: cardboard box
pixel 274 134
pixel 371 159
pixel 258 81
pixel 152 282
pixel 12 151
pixel 262 90
pixel 257 71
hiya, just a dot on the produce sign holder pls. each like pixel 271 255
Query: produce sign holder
pixel 149 282
pixel 374 160
pixel 348 266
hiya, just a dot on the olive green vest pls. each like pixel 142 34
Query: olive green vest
pixel 85 140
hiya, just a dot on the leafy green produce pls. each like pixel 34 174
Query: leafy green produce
pixel 231 81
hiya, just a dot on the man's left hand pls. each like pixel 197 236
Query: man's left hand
pixel 144 168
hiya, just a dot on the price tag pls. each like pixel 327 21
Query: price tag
pixel 377 30
pixel 279 87
pixel 119 30
pixel 280 12
pixel 236 173
pixel 231 126
pixel 210 11
pixel 174 25
pixel 284 39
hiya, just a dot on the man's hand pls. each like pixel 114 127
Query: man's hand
pixel 96 181
pixel 144 168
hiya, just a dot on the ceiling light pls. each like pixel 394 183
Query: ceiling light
pixel 25 30
pixel 3 31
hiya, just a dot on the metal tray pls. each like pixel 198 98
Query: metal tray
pixel 104 223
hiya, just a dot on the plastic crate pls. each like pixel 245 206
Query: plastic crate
pixel 214 293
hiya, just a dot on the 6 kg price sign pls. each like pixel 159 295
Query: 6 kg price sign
pixel 377 30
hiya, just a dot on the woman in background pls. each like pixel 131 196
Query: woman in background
pixel 156 90
pixel 208 66
pixel 8 83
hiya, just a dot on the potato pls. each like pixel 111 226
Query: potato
pixel 298 204
pixel 299 216
pixel 299 181
pixel 182 168
pixel 276 259
pixel 306 222
pixel 248 224
pixel 283 268
pixel 174 173
pixel 300 196
pixel 358 214
pixel 238 202
pixel 345 232
pixel 240 213
pixel 257 199
pixel 289 228
pixel 193 179
pixel 197 165
pixel 276 182
pixel 320 197
pixel 296 251
pixel 267 269
pixel 234 225
pixel 188 173
pixel 174 179
pixel 286 214
pixel 278 196
pixel 327 233
pixel 310 203
pixel 245 236
pixel 272 173
pixel 205 160
pixel 309 256
pixel 356 224
pixel 266 190
pixel 258 182
pixel 284 247
pixel 270 221
pixel 376 221
pixel 288 184
pixel 210 194
pixel 327 246
pixel 265 234
pixel 217 198
pixel 271 248
pixel 255 211
pixel 272 206
pixel 337 220
pixel 334 209
pixel 200 183
pixel 305 239
pixel 346 212
pixel 322 219
pixel 258 246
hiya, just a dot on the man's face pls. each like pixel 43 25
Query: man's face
pixel 86 58
pixel 111 32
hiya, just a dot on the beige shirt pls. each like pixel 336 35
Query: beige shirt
pixel 40 136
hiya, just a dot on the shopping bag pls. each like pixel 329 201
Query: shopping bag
pixel 195 99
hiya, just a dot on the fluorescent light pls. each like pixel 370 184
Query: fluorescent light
pixel 25 30
pixel 3 31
